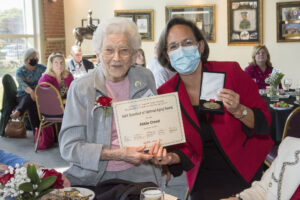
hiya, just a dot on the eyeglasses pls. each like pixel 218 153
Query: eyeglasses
pixel 185 43
pixel 122 52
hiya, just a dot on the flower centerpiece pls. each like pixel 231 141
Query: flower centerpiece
pixel 29 183
pixel 274 79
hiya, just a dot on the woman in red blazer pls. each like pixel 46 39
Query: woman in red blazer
pixel 222 153
pixel 57 74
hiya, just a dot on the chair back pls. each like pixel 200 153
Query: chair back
pixel 49 103
pixel 291 128
pixel 292 125
pixel 9 88
pixel 9 100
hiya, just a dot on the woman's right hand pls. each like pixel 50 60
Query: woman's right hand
pixel 30 91
pixel 32 95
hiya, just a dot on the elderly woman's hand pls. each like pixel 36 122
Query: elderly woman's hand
pixel 25 164
pixel 231 100
pixel 135 155
pixel 67 183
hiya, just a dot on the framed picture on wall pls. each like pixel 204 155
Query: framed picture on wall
pixel 245 22
pixel 203 15
pixel 144 20
pixel 288 21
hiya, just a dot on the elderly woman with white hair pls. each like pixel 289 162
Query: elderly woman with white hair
pixel 28 76
pixel 88 137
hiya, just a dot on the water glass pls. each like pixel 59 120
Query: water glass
pixel 287 83
pixel 152 193
pixel 297 92
pixel 268 90
pixel 262 92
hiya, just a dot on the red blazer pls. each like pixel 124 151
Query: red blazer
pixel 245 159
pixel 50 79
pixel 296 195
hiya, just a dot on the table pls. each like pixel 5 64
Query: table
pixel 279 117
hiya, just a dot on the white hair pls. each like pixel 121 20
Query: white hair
pixel 116 25
pixel 75 48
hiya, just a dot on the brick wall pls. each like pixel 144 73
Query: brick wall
pixel 54 27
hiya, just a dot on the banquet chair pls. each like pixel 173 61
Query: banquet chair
pixel 291 128
pixel 50 107
pixel 9 100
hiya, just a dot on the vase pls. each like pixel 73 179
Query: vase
pixel 274 93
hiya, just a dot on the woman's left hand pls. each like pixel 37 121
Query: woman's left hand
pixel 160 155
pixel 231 100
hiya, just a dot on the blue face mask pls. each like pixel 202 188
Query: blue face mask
pixel 185 60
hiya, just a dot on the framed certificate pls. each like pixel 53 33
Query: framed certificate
pixel 144 20
pixel 146 120
pixel 245 24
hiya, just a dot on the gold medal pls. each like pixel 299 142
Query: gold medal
pixel 211 105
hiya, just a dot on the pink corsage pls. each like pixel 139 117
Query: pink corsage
pixel 104 102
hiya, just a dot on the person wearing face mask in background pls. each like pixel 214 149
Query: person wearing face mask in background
pixel 222 153
pixel 28 76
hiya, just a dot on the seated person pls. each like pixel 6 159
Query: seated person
pixel 57 74
pixel 88 138
pixel 281 180
pixel 28 76
pixel 260 67
pixel 9 159
pixel 161 74
pixel 78 65
pixel 140 58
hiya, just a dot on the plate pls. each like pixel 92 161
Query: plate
pixel 284 96
pixel 169 197
pixel 292 93
pixel 297 102
pixel 281 108
pixel 83 191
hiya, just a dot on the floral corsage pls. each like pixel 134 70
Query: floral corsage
pixel 104 102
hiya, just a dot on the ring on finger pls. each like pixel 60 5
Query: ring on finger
pixel 159 159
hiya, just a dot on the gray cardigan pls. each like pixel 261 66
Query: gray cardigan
pixel 85 131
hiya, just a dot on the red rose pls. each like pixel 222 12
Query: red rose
pixel 104 101
pixel 59 183
pixel 6 177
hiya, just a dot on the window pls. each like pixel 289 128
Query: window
pixel 18 32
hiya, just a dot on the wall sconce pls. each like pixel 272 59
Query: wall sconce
pixel 52 1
